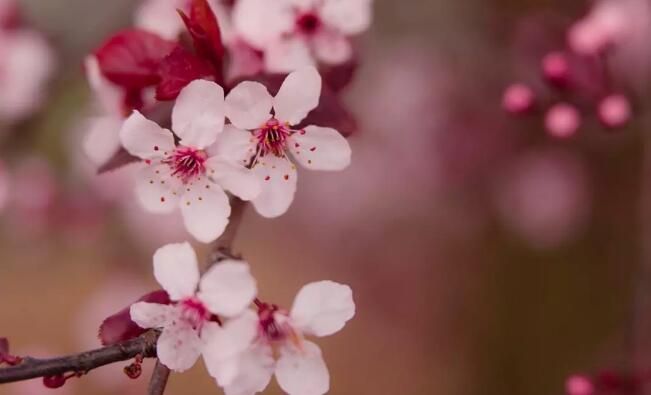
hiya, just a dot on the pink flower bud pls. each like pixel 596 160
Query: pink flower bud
pixel 579 385
pixel 562 120
pixel 614 111
pixel 556 68
pixel 518 99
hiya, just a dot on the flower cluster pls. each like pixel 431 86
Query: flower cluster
pixel 226 139
pixel 589 76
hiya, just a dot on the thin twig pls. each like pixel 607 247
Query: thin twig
pixel 158 380
pixel 29 368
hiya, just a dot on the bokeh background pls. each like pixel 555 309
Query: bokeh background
pixel 486 257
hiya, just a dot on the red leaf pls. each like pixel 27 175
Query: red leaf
pixel 178 69
pixel 131 58
pixel 203 27
pixel 119 327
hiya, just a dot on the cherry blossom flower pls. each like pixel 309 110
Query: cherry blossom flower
pixel 263 141
pixel 295 33
pixel 26 63
pixel 562 120
pixel 239 355
pixel 614 111
pixel 188 174
pixel 224 291
pixel 518 99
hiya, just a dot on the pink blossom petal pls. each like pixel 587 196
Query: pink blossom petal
pixel 256 366
pixel 332 48
pixel 248 105
pixel 298 95
pixel 108 95
pixel 562 120
pixel 102 141
pixel 176 270
pixel 261 21
pixel 287 54
pixel 235 145
pixel 278 180
pixel 205 208
pixel 323 308
pixel 198 115
pixel 321 149
pixel 225 345
pixel 156 189
pixel 302 372
pixel 150 315
pixel 179 346
pixel 235 178
pixel 228 288
pixel 161 17
pixel 349 16
pixel 144 138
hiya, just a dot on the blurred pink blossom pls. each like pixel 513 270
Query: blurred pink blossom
pixel 518 98
pixel 556 68
pixel 614 111
pixel 562 120
pixel 579 385
pixel 544 197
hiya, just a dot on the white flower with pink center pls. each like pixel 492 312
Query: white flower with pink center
pixel 265 142
pixel 240 355
pixel 296 33
pixel 188 175
pixel 225 290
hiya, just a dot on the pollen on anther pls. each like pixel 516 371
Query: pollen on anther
pixel 267 178
pixel 200 198
pixel 187 203
pixel 297 145
pixel 162 199
pixel 151 181
pixel 309 161
pixel 302 131
pixel 313 149
pixel 286 176
pixel 156 148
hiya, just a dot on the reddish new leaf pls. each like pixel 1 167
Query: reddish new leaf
pixel 203 27
pixel 131 58
pixel 178 69
pixel 119 327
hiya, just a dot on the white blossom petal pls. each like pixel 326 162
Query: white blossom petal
pixel 176 270
pixel 287 54
pixel 156 189
pixel 205 208
pixel 150 315
pixel 262 21
pixel 228 288
pixel 256 365
pixel 198 115
pixel 322 308
pixel 160 17
pixel 178 346
pixel 236 178
pixel 108 95
pixel 102 140
pixel 302 372
pixel 248 105
pixel 321 149
pixel 349 16
pixel 298 95
pixel 224 346
pixel 332 48
pixel 235 145
pixel 144 138
pixel 278 178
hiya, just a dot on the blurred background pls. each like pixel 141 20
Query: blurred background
pixel 487 257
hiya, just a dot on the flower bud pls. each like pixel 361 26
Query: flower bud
pixel 614 111
pixel 518 99
pixel 556 69
pixel 562 120
pixel 579 385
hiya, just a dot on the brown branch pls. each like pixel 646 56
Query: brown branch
pixel 222 249
pixel 158 380
pixel 29 368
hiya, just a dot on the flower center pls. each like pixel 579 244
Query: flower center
pixel 271 329
pixel 187 163
pixel 272 138
pixel 308 23
pixel 194 313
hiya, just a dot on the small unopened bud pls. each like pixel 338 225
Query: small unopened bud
pixel 556 69
pixel 54 381
pixel 562 120
pixel 518 99
pixel 134 370
pixel 614 111
pixel 579 385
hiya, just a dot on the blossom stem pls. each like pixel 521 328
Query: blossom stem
pixel 84 362
pixel 159 379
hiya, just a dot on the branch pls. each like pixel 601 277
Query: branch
pixel 158 380
pixel 82 363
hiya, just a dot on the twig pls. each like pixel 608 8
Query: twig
pixel 158 380
pixel 82 363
